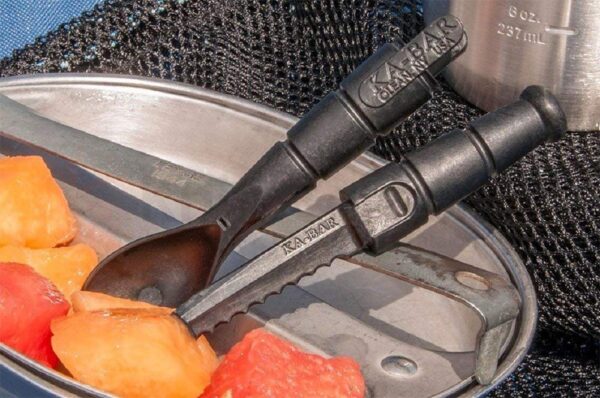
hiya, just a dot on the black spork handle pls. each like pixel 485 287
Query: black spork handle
pixel 378 95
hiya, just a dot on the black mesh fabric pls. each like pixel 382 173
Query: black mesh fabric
pixel 558 366
pixel 287 54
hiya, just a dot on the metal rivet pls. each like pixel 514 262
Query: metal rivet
pixel 399 366
pixel 474 281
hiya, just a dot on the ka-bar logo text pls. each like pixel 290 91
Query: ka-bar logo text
pixel 406 65
pixel 309 235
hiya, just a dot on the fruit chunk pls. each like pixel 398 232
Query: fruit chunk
pixel 33 209
pixel 210 358
pixel 133 353
pixel 28 303
pixel 263 365
pixel 67 267
pixel 94 301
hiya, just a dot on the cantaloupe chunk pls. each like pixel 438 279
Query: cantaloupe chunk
pixel 133 353
pixel 67 267
pixel 94 301
pixel 33 208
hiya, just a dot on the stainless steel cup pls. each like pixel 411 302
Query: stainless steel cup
pixel 513 44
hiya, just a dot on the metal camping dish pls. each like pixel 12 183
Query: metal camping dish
pixel 409 341
pixel 512 44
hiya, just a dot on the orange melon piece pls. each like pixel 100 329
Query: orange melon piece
pixel 133 353
pixel 211 361
pixel 67 267
pixel 94 301
pixel 33 208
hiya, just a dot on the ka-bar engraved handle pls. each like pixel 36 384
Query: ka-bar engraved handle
pixel 384 90
pixel 378 95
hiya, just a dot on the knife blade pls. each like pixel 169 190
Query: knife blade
pixel 285 263
pixel 20 123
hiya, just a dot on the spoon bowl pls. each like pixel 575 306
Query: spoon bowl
pixel 163 269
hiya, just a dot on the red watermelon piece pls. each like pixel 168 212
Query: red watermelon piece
pixel 263 365
pixel 28 302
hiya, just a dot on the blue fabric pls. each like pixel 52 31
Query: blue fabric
pixel 21 21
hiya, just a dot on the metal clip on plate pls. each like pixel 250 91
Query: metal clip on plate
pixel 396 199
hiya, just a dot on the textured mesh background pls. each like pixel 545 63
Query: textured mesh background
pixel 287 54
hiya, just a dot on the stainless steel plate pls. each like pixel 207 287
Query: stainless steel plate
pixel 341 310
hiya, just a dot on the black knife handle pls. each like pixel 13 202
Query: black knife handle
pixel 398 198
pixel 378 95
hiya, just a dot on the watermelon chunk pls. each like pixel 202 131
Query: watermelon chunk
pixel 28 303
pixel 67 267
pixel 263 365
